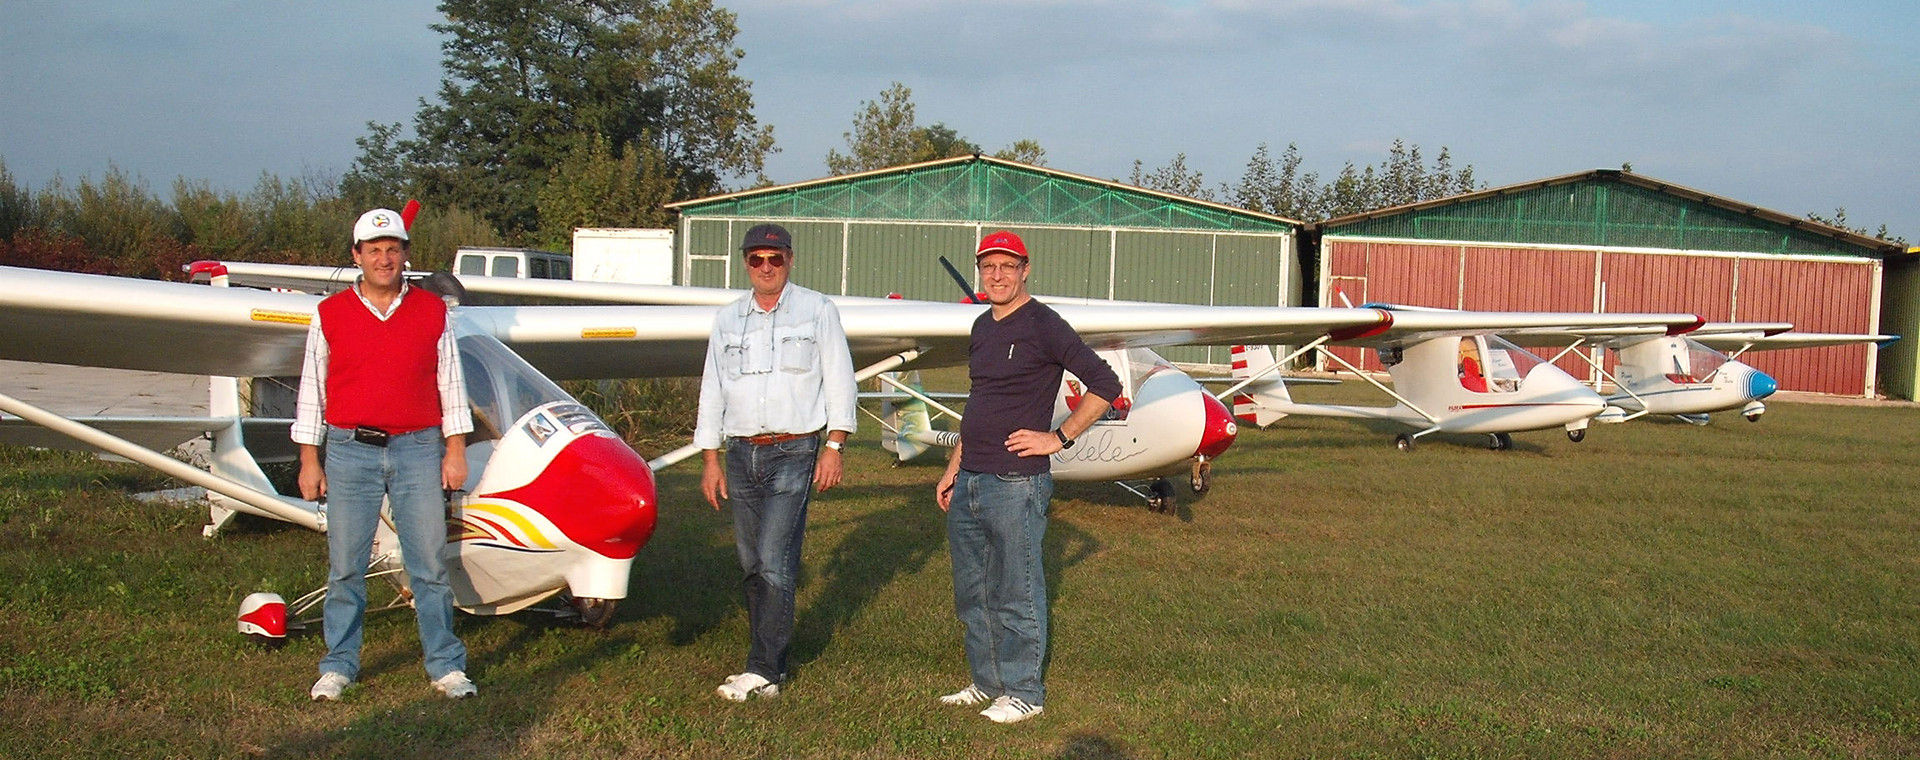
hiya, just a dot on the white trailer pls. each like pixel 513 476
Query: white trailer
pixel 615 254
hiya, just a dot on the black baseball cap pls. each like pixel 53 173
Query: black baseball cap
pixel 767 236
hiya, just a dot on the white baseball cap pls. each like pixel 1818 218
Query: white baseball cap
pixel 379 223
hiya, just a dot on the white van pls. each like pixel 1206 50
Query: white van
pixel 514 262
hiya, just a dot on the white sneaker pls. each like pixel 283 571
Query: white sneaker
pixel 739 688
pixel 328 688
pixel 456 685
pixel 1008 709
pixel 967 697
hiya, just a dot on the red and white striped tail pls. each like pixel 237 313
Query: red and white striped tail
pixel 1257 404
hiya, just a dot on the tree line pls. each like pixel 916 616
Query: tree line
pixel 556 114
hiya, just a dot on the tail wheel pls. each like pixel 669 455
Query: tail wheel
pixel 1753 418
pixel 595 613
pixel 1500 441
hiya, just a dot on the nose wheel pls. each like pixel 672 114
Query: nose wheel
pixel 1202 476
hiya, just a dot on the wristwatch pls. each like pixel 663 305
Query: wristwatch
pixel 835 445
pixel 1065 442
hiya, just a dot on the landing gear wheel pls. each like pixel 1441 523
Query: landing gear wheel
pixel 1499 441
pixel 1753 418
pixel 1162 499
pixel 1202 476
pixel 1403 442
pixel 1577 435
pixel 595 613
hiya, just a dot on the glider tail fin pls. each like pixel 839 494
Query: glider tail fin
pixel 909 431
pixel 1260 403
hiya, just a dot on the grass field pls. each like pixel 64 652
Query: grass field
pixel 1661 590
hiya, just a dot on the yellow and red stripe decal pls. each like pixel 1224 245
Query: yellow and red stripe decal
pixel 506 524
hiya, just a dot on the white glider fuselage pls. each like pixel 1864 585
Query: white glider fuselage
pixel 1157 427
pixel 1512 390
pixel 556 498
pixel 1678 375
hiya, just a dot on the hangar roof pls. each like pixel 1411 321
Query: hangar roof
pixel 1609 207
pixel 980 188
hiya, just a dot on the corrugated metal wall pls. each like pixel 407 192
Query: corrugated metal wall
pixel 1816 295
pixel 878 257
pixel 1900 315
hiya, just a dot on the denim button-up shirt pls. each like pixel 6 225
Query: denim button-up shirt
pixel 781 371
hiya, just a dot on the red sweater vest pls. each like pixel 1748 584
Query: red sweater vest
pixel 383 374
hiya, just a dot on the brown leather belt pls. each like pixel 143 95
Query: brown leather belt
pixel 768 439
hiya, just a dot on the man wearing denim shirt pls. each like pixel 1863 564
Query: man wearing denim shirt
pixel 998 482
pixel 778 373
pixel 381 388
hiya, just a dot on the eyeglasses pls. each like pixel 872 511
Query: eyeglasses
pixel 756 261
pixel 1001 268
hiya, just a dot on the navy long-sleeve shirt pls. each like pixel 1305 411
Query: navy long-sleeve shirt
pixel 1016 365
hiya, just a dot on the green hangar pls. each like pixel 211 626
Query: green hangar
pixel 885 231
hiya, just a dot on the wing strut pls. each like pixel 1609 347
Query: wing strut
pixel 1605 374
pixel 1435 421
pixel 915 393
pixel 268 504
pixel 1275 367
pixel 890 363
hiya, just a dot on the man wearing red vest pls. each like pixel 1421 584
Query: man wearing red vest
pixel 382 391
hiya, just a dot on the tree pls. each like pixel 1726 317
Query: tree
pixel 380 173
pixel 527 81
pixel 1173 178
pixel 592 188
pixel 940 141
pixel 886 133
pixel 1839 219
pixel 1278 189
pixel 1027 152
pixel 1404 177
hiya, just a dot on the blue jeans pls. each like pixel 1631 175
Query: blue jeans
pixel 996 525
pixel 769 487
pixel 407 472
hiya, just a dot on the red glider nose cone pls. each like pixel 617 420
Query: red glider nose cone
pixel 598 492
pixel 1220 430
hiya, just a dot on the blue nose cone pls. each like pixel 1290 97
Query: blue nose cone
pixel 1761 385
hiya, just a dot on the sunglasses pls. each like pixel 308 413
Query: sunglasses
pixel 758 260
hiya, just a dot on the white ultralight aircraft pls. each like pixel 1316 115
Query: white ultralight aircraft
pixel 1488 383
pixel 1689 376
pixel 555 502
pixel 1445 380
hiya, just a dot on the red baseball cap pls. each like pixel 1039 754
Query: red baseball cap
pixel 1002 242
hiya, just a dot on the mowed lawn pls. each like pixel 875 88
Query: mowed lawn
pixel 1660 590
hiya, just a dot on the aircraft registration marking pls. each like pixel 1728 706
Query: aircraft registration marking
pixel 281 317
pixel 593 333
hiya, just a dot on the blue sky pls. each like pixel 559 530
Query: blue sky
pixel 1793 106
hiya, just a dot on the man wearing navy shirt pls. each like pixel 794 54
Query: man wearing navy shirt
pixel 999 481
